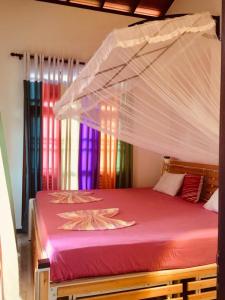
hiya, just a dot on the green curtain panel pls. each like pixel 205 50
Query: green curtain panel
pixel 32 146
pixel 124 165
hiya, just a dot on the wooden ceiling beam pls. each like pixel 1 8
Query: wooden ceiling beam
pixel 134 4
pixel 166 7
pixel 101 3
pixel 97 8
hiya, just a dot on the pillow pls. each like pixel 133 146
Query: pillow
pixel 169 183
pixel 212 203
pixel 192 187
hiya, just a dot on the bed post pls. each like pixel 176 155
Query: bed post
pixel 42 280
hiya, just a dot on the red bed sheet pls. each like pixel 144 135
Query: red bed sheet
pixel 169 233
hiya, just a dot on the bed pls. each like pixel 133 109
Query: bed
pixel 170 251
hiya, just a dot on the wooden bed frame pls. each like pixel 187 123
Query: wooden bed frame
pixel 191 283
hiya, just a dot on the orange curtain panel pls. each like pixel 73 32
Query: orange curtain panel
pixel 108 150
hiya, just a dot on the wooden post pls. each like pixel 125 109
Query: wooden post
pixel 221 239
pixel 42 280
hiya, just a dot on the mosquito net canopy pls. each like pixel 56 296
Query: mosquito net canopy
pixel 154 85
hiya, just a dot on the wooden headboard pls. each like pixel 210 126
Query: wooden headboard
pixel 210 173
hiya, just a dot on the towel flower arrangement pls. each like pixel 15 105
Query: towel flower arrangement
pixel 73 197
pixel 96 219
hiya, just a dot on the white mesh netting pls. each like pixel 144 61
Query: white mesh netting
pixel 155 85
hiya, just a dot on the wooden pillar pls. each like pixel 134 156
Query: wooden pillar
pixel 42 280
pixel 221 239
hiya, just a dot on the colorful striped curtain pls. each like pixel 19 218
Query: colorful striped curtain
pixel 116 163
pixel 65 154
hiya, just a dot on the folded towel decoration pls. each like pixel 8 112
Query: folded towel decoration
pixel 73 197
pixel 96 219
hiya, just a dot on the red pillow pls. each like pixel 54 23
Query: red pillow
pixel 192 187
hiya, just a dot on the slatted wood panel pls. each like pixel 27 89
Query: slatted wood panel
pixel 204 296
pixel 137 8
pixel 202 284
pixel 166 290
pixel 143 293
pixel 210 173
pixel 142 285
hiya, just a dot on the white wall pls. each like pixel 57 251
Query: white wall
pixel 28 25
pixel 193 6
pixel 147 167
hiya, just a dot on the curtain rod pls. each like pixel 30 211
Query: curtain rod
pixel 20 56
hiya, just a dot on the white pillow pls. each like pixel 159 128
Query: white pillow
pixel 212 203
pixel 169 183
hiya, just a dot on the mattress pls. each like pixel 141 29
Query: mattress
pixel 169 233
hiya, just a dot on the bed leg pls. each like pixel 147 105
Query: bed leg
pixel 42 283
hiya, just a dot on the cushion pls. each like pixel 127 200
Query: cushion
pixel 212 203
pixel 169 183
pixel 192 187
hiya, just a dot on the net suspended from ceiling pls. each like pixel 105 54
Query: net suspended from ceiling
pixel 155 85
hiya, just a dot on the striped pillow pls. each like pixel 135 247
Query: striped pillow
pixel 192 187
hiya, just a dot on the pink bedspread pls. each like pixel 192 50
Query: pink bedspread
pixel 169 233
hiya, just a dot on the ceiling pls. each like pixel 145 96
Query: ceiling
pixel 137 8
